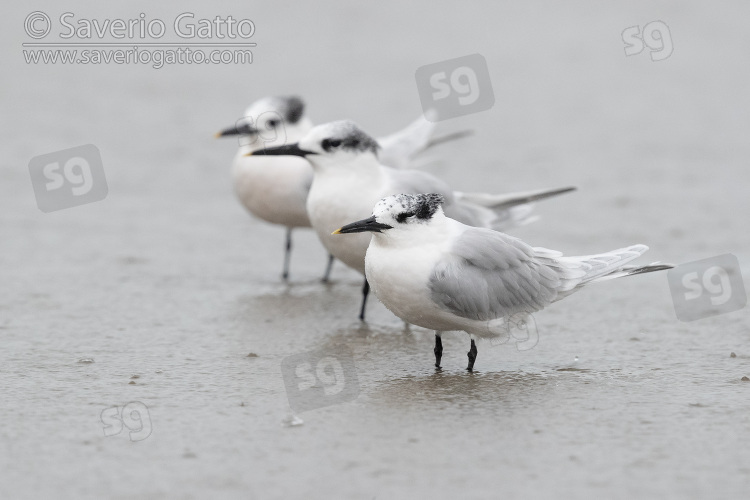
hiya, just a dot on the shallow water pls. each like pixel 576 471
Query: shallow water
pixel 168 286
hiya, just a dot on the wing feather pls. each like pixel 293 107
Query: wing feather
pixel 489 275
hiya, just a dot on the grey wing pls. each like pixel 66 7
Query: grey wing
pixel 399 148
pixel 489 275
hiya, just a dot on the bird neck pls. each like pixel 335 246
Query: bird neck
pixel 364 167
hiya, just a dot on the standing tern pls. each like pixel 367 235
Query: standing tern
pixel 349 179
pixel 275 189
pixel 435 272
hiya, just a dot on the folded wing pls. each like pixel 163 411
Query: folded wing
pixel 489 275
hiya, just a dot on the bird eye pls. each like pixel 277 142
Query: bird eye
pixel 272 123
pixel 329 144
pixel 403 216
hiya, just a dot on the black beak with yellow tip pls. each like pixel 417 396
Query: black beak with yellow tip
pixel 241 129
pixel 364 225
pixel 285 150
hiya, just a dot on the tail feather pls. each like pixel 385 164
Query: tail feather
pixel 601 265
pixel 576 272
pixel 448 138
pixel 633 270
pixel 613 264
pixel 511 199
pixel 503 211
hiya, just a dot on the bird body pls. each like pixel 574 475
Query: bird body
pixel 349 179
pixel 437 273
pixel 337 196
pixel 477 278
pixel 275 188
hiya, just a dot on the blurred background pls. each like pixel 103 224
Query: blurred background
pixel 160 293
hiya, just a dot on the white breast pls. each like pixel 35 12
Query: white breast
pixel 337 199
pixel 273 188
pixel 399 276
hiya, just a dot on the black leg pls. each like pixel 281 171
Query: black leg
pixel 287 253
pixel 327 274
pixel 472 355
pixel 365 293
pixel 438 349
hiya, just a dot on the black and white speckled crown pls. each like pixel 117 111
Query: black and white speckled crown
pixel 422 206
pixel 352 137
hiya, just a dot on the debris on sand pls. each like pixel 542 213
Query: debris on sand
pixel 292 421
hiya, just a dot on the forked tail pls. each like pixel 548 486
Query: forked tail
pixel 611 265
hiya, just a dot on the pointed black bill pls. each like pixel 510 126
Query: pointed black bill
pixel 241 129
pixel 285 150
pixel 364 225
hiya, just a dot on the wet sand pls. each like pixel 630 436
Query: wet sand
pixel 169 286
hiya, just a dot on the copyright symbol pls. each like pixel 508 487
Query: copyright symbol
pixel 30 25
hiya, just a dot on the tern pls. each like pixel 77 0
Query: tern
pixel 349 179
pixel 275 189
pixel 437 273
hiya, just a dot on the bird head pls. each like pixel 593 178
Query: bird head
pixel 269 122
pixel 331 144
pixel 399 213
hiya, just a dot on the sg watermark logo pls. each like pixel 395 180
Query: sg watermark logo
pixel 265 131
pixel 317 379
pixel 455 87
pixel 707 287
pixel 68 178
pixel 521 327
pixel 133 416
pixel 655 36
